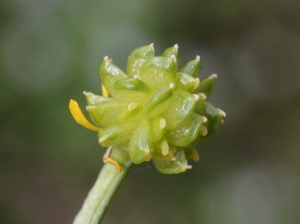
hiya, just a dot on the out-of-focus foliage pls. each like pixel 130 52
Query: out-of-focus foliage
pixel 50 51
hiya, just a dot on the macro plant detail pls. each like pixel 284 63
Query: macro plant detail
pixel 153 111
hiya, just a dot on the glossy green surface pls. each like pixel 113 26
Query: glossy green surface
pixel 158 112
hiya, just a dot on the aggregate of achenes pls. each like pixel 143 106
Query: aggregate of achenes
pixel 154 110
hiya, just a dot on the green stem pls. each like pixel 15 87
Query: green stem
pixel 107 184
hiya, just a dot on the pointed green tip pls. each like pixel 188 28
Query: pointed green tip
pixel 206 85
pixel 171 51
pixel 193 67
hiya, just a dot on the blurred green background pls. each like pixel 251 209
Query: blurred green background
pixel 50 52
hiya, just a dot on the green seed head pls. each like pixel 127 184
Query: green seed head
pixel 158 112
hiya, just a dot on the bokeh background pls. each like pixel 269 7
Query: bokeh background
pixel 50 52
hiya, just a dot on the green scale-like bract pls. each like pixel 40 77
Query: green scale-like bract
pixel 157 112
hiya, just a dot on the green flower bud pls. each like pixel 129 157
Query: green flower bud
pixel 155 111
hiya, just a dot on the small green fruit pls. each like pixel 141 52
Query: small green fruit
pixel 154 110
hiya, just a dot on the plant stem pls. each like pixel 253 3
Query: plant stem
pixel 107 184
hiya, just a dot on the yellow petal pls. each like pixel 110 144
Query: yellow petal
pixel 79 117
pixel 105 93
